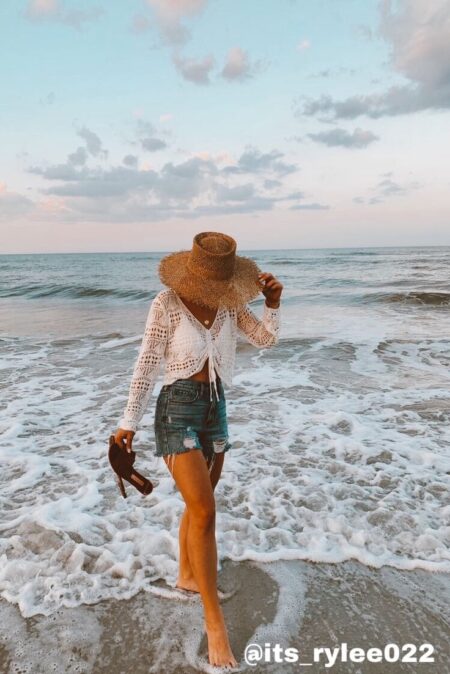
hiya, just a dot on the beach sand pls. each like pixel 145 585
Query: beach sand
pixel 294 603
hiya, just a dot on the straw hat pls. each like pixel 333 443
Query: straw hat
pixel 211 274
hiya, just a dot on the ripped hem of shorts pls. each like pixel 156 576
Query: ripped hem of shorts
pixel 189 439
pixel 173 455
pixel 220 445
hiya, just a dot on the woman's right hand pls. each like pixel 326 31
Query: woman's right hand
pixel 124 439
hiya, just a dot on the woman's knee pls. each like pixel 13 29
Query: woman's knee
pixel 202 512
pixel 193 480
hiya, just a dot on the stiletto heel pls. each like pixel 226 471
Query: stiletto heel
pixel 120 485
pixel 122 465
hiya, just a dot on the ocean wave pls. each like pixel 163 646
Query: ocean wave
pixel 37 291
pixel 337 282
pixel 285 261
pixel 415 297
pixel 358 252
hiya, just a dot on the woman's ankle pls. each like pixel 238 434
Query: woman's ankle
pixel 215 620
pixel 186 575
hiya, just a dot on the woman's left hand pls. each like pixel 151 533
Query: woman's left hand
pixel 271 289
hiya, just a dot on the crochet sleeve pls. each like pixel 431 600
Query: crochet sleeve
pixel 262 333
pixel 147 365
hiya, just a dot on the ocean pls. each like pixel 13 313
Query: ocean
pixel 340 432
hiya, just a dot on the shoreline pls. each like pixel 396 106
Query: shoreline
pixel 297 604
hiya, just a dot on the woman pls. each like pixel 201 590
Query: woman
pixel 194 324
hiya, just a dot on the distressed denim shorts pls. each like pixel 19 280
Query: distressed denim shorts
pixel 186 418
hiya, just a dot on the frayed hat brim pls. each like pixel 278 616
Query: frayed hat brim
pixel 242 287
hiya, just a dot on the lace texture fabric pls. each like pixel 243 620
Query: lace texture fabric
pixel 174 334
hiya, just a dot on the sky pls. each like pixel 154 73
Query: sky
pixel 131 126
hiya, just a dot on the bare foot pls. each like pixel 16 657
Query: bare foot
pixel 219 649
pixel 187 584
pixel 191 585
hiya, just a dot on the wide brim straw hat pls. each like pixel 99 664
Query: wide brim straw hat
pixel 211 273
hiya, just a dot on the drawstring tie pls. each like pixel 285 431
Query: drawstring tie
pixel 212 381
pixel 212 372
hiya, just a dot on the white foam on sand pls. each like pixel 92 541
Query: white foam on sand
pixel 290 605
pixel 53 645
pixel 340 451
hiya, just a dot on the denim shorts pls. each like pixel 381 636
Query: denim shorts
pixel 186 418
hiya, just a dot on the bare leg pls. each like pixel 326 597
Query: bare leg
pixel 186 578
pixel 192 478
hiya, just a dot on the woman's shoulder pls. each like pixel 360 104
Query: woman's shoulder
pixel 166 298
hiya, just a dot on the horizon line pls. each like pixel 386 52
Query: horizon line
pixel 143 252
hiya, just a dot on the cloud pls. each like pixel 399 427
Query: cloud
pixel 252 205
pixel 13 205
pixel 389 187
pixel 397 100
pixel 42 8
pixel 194 70
pixel 309 207
pixel 170 15
pixel 79 157
pixel 94 182
pixel 364 31
pixel 200 185
pixel 49 99
pixel 343 138
pixel 153 144
pixel 147 138
pixel 130 160
pixel 238 67
pixel 271 184
pixel 237 193
pixel 140 24
pixel 93 142
pixel 330 72
pixel 386 188
pixel 295 195
pixel 54 10
pixel 254 161
pixel 304 44
pixel 418 35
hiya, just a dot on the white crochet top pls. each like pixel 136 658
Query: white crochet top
pixel 174 332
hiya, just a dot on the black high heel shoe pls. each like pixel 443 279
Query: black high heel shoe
pixel 122 464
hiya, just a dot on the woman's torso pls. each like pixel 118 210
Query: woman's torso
pixel 206 317
pixel 192 345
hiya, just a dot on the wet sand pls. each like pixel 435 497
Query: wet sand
pixel 296 604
